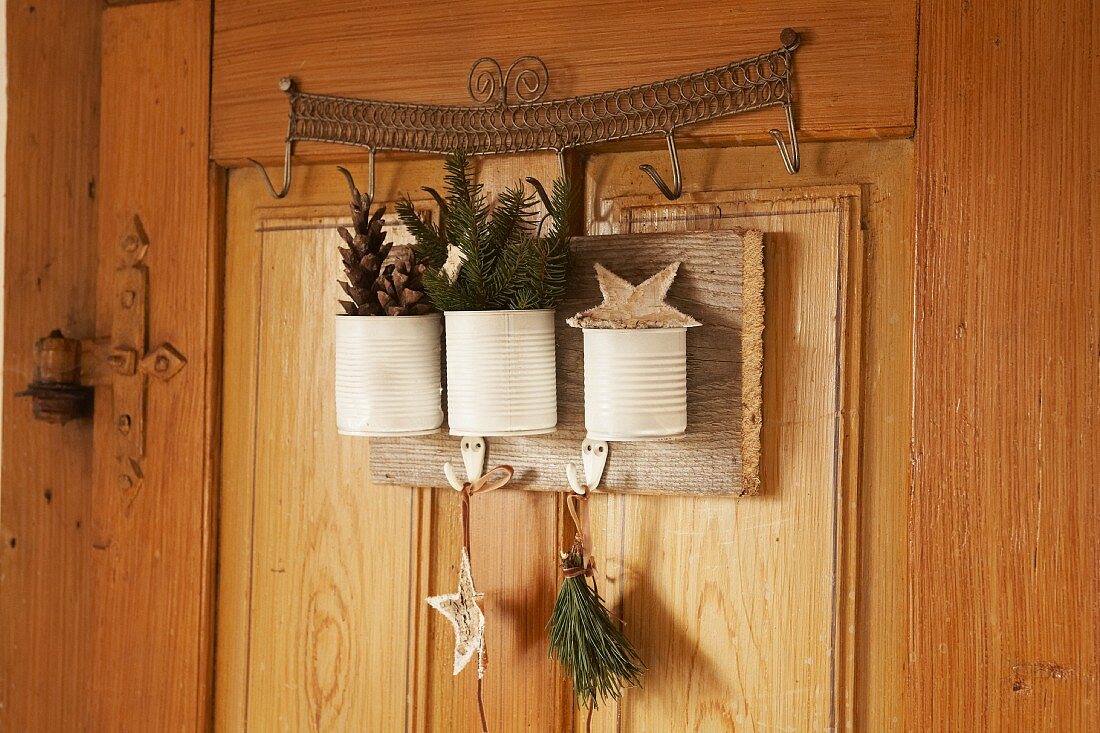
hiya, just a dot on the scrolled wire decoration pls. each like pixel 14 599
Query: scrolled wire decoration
pixel 489 84
pixel 501 125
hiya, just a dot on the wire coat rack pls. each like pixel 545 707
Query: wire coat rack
pixel 510 116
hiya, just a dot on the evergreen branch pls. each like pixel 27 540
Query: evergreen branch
pixel 506 264
pixel 588 643
pixel 431 245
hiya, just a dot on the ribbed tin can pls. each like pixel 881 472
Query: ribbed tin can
pixel 388 375
pixel 635 383
pixel 501 375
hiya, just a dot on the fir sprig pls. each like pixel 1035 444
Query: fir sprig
pixel 507 263
pixel 588 643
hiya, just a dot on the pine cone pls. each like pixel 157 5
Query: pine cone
pixel 364 255
pixel 400 287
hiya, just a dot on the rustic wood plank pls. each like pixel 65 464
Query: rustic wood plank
pixel 708 458
pixel 49 282
pixel 256 43
pixel 1004 552
pixel 152 569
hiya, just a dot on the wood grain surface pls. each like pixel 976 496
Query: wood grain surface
pixel 675 559
pixel 151 625
pixel 692 577
pixel 285 537
pixel 422 51
pixel 49 282
pixel 1004 547
pixel 707 459
pixel 873 530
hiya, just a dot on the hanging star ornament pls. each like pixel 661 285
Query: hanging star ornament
pixel 465 615
pixel 634 306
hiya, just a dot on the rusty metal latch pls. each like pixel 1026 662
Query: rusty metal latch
pixel 66 369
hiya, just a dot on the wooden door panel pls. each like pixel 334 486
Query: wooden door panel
pixel 333 632
pixel 742 608
pixel 759 578
pixel 869 694
pixel 329 577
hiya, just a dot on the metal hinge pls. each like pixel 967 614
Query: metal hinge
pixel 66 369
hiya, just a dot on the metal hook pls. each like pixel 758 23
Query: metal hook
pixel 544 198
pixel 677 179
pixel 287 85
pixel 593 458
pixel 351 181
pixel 790 159
pixel 286 172
pixel 540 190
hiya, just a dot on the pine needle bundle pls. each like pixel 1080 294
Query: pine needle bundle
pixel 498 257
pixel 587 642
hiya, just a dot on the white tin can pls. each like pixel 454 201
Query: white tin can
pixel 388 375
pixel 501 373
pixel 635 383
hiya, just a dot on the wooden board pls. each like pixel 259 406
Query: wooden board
pixel 653 541
pixel 49 282
pixel 422 51
pixel 1004 547
pixel 152 560
pixel 708 459
pixel 795 355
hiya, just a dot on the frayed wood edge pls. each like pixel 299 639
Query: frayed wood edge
pixel 752 358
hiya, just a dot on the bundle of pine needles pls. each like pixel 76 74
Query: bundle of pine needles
pixel 588 643
pixel 507 257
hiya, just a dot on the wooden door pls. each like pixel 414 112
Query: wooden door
pixel 745 610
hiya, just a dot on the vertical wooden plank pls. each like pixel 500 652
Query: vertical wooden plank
pixel 1004 553
pixel 330 567
pixel 884 174
pixel 151 633
pixel 242 276
pixel 49 282
pixel 759 577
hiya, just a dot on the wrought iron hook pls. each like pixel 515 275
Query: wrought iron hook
pixel 351 181
pixel 790 159
pixel 287 85
pixel 286 172
pixel 677 179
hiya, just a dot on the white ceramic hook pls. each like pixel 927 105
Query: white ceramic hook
pixel 473 458
pixel 593 458
pixel 571 474
pixel 452 479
